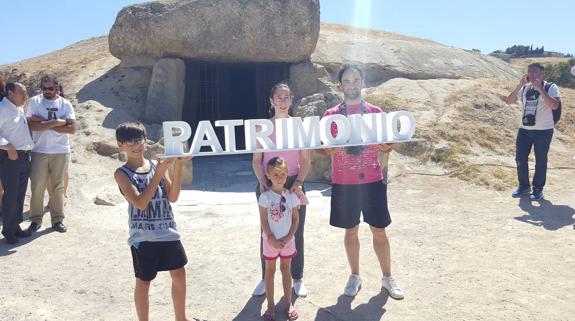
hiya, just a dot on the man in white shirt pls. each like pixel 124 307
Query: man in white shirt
pixel 539 100
pixel 15 146
pixel 51 119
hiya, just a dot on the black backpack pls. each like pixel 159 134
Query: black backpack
pixel 557 111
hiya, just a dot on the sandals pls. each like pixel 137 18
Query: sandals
pixel 293 315
pixel 269 315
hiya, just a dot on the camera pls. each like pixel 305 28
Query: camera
pixel 528 120
pixel 354 150
pixel 532 94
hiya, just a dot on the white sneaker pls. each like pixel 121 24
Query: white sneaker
pixel 390 284
pixel 260 289
pixel 353 285
pixel 299 288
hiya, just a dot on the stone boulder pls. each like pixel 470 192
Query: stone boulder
pixel 109 198
pixel 167 91
pixel 217 30
pixel 308 78
pixel 384 56
pixel 104 147
pixel 317 104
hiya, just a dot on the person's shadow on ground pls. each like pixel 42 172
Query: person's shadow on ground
pixel 252 309
pixel 549 216
pixel 9 249
pixel 373 310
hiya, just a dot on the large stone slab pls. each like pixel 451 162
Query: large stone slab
pixel 167 91
pixel 308 78
pixel 385 55
pixel 218 30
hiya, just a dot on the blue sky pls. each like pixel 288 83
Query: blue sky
pixel 31 28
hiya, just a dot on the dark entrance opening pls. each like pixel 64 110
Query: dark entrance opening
pixel 218 91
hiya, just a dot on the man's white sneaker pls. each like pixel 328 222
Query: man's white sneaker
pixel 260 289
pixel 299 288
pixel 353 285
pixel 390 284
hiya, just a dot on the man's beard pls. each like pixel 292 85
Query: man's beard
pixel 49 96
pixel 352 95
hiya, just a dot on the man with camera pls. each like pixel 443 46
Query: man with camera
pixel 358 187
pixel 539 99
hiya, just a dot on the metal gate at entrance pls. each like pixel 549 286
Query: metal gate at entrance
pixel 218 91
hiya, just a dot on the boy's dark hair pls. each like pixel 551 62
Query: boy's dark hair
pixel 536 65
pixel 130 130
pixel 347 67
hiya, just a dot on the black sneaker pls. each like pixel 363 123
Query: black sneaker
pixel 521 191
pixel 33 227
pixel 536 196
pixel 60 227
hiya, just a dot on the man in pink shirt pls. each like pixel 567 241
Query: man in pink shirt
pixel 358 187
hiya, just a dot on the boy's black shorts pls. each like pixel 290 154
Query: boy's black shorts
pixel 151 257
pixel 348 201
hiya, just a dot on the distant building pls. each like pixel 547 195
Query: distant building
pixel 553 54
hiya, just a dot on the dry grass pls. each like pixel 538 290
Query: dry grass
pixel 388 103
pixel 520 64
pixel 479 124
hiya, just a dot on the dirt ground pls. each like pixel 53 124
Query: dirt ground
pixel 459 251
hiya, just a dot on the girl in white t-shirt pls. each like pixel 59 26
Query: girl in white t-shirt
pixel 279 220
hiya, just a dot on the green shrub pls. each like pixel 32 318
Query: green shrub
pixel 561 73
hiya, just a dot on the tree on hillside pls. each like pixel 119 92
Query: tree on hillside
pixel 517 51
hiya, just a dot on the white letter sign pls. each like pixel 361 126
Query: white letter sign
pixel 291 133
